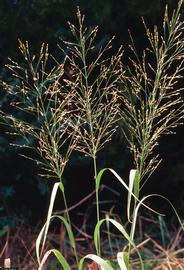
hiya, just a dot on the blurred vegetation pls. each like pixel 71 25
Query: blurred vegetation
pixel 46 21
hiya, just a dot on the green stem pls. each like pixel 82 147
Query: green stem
pixel 97 197
pixel 70 224
pixel 97 201
pixel 133 217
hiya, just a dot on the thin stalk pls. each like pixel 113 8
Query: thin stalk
pixel 70 224
pixel 97 201
pixel 97 197
pixel 134 216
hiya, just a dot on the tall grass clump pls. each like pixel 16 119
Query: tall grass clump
pixel 74 105
pixel 80 103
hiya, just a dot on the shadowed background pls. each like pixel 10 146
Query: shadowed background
pixel 22 193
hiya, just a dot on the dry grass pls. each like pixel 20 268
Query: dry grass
pixel 19 245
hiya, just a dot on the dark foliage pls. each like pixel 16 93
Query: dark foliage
pixel 46 21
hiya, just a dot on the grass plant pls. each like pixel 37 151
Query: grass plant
pixel 153 103
pixel 46 125
pixel 94 81
pixel 79 104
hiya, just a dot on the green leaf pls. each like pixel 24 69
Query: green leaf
pixel 97 234
pixel 104 264
pixel 137 183
pixel 131 186
pixel 45 228
pixel 123 260
pixel 59 257
pixel 43 233
pixel 98 178
pixel 69 231
pixel 128 189
pixel 61 186
pixel 135 214
pixel 123 232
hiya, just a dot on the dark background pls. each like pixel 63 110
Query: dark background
pixel 22 193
